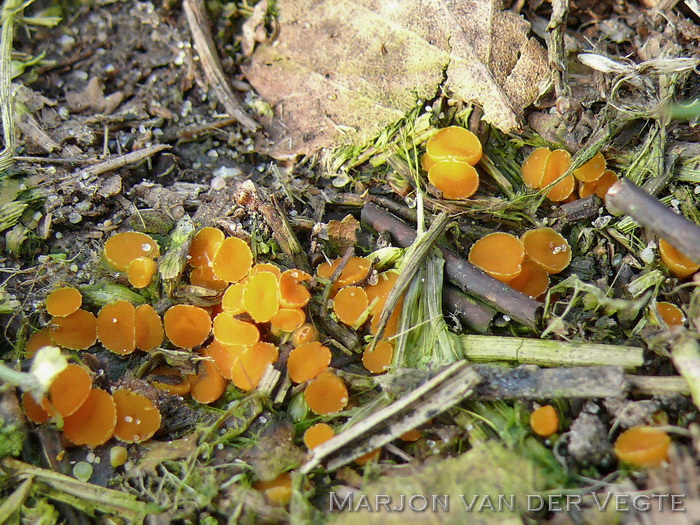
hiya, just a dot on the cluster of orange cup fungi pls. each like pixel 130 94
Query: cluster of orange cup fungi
pixel 544 166
pixel 523 263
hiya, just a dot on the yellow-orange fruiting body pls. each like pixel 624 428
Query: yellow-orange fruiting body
pixel 116 327
pixel 454 142
pixel 265 267
pixel 94 422
pixel 350 304
pixel 277 491
pixel 122 248
pixel 380 290
pixel 149 328
pixel 455 179
pixel 678 263
pixel 137 417
pixel 64 301
pixel 225 356
pixel 37 340
pixel 533 280
pixel 392 324
pixel 643 446
pixel 356 269
pixel 591 170
pixel 232 331
pixel 371 456
pixel 544 421
pixel 208 385
pixel 70 389
pixel 317 435
pixel 308 361
pixel 35 411
pixel 669 313
pixel 78 331
pixel 186 326
pixel 232 301
pixel 547 248
pixel 304 334
pixel 600 187
pixel 293 294
pixel 557 164
pixel 169 380
pixel 326 394
pixel 378 360
pixel 233 260
pixel 411 435
pixel 533 167
pixel 141 271
pixel 498 254
pixel 250 366
pixel 205 277
pixel 261 296
pixel 204 246
pixel 287 320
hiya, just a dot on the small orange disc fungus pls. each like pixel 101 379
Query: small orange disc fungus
pixel 233 260
pixel 370 457
pixel 231 331
pixel 251 365
pixel 186 326
pixel 149 328
pixel 261 298
pixel 232 301
pixel 544 421
pixel 326 394
pixel 426 162
pixel 225 356
pixel 547 248
pixel 37 340
pixel 411 435
pixel 78 331
pixel 293 294
pixel 600 187
pixel 204 246
pixel 308 361
pixel 669 313
pixel 454 142
pixel 392 324
pixel 533 167
pixel 137 417
pixel 380 290
pixel 591 170
pixel 70 389
pixel 277 491
pixel 265 267
pixel 454 178
pixel 208 385
pixel 498 254
pixel 141 271
pixel 350 304
pixel 557 163
pixel 170 380
pixel 643 446
pixel 356 269
pixel 317 435
pixel 287 320
pixel 35 411
pixel 94 422
pixel 378 360
pixel 533 280
pixel 304 334
pixel 122 248
pixel 678 264
pixel 116 327
pixel 205 277
pixel 64 301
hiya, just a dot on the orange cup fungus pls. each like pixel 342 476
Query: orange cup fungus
pixel 326 394
pixel 287 320
pixel 169 379
pixel 317 435
pixel 137 417
pixel 204 246
pixel 547 248
pixel 70 389
pixel 308 361
pixel 250 366
pixel 116 327
pixel 209 384
pixel 277 491
pixel 36 412
pixel 94 422
pixel 378 360
pixel 232 331
pixel 392 324
pixel 225 356
pixel 411 435
pixel 304 334
pixel 232 301
pixel 63 302
pixel 454 178
pixel 148 328
pixel 643 446
pixel 557 164
pixel 498 254
pixel 265 267
pixel 37 340
pixel 187 326
pixel 454 142
pixel 77 331
pixel 533 280
pixel 678 264
pixel 378 293
pixel 533 167
pixel 233 260
pixel 544 421
pixel 356 269
pixel 669 313
pixel 350 305
pixel 141 271
pixel 205 277
pixel 600 186
pixel 122 248
pixel 592 170
pixel 260 297
pixel 293 294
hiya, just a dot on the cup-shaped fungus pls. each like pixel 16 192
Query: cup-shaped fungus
pixel 116 327
pixel 379 292
pixel 224 356
pixel 544 421
pixel 533 167
pixel 392 324
pixel 118 456
pixel 287 320
pixel 170 380
pixel 64 301
pixel 317 435
pixel 265 267
pixel 547 248
pixel 326 394
pixel 149 328
pixel 308 361
pixel 411 435
pixel 293 294
pixel 378 360
pixel 205 277
pixel 304 334
pixel 186 326
pixel 35 411
pixel 557 164
pixel 122 248
pixel 208 385
pixel 70 389
pixel 643 446
pixel 591 170
pixel 454 142
pixel 137 417
pixel 233 260
pixel 261 297
pixel 678 264
pixel 369 457
pixel 232 301
pixel 533 280
pixel 669 313
pixel 277 491
pixel 37 340
pixel 499 254
pixel 78 331
pixel 249 368
pixel 94 422
pixel 204 246
pixel 356 269
pixel 600 186
pixel 351 305
pixel 232 331
pixel 454 178
pixel 141 271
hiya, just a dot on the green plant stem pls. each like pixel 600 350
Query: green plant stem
pixel 686 358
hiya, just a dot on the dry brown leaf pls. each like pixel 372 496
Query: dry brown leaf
pixel 342 70
pixel 342 234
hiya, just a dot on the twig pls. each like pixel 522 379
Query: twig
pixel 578 211
pixel 476 315
pixel 195 12
pixel 467 277
pixel 654 385
pixel 681 233
pixel 541 352
pixel 9 11
pixel 686 359
pixel 555 48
